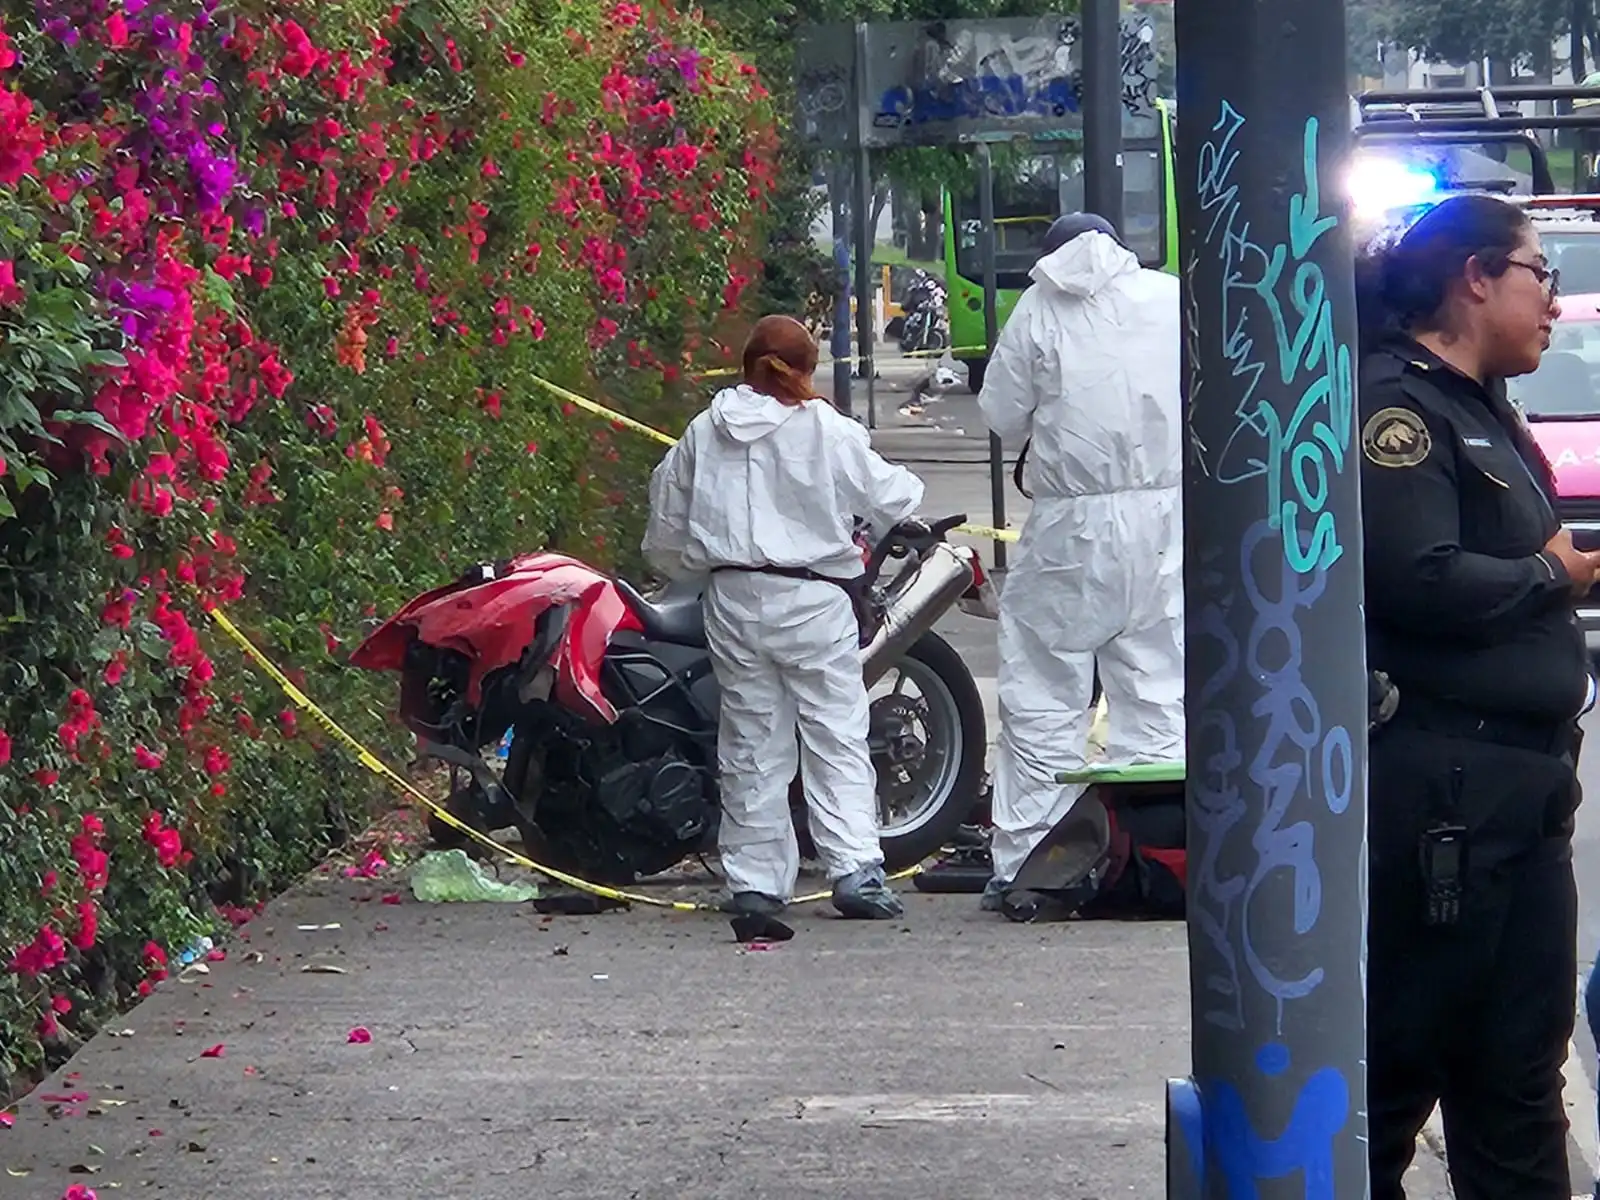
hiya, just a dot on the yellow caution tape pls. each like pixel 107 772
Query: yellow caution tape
pixel 601 410
pixel 382 769
pixel 666 439
pixel 988 531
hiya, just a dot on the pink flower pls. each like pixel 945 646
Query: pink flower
pixel 79 1191
pixel 11 293
pixel 60 1004
pixel 360 1035
pixel 371 866
pixel 146 760
pixel 46 952
pixel 167 843
pixel 5 747
pixel 216 1051
pixel 88 925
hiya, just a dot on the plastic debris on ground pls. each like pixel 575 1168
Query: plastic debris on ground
pixel 447 876
pixel 197 950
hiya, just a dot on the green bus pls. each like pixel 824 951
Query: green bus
pixel 1048 183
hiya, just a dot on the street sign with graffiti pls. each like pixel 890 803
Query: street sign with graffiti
pixel 924 83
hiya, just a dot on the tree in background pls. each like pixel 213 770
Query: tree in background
pixel 1507 32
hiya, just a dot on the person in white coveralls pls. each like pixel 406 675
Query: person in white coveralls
pixel 1086 371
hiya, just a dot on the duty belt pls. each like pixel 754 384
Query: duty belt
pixel 1540 735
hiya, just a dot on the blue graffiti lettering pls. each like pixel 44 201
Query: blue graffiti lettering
pixel 1296 457
pixel 1273 655
pixel 974 99
pixel 1305 1146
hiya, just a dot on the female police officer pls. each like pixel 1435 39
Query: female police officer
pixel 1470 582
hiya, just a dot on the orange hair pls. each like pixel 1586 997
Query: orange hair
pixel 779 360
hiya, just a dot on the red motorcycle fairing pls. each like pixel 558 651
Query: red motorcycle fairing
pixel 491 624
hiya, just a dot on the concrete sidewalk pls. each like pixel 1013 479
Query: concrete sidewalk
pixel 948 1056
pixel 639 1054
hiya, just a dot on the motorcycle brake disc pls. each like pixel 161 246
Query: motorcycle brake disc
pixel 893 718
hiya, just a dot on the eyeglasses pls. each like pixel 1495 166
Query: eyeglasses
pixel 1550 277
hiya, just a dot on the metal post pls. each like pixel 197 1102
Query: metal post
pixel 839 345
pixel 1102 109
pixel 1275 655
pixel 866 240
pixel 991 334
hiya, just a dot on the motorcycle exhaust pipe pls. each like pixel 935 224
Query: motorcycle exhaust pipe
pixel 933 589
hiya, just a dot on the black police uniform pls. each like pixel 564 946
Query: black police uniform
pixel 1472 958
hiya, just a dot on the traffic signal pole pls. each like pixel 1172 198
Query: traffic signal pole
pixel 1276 676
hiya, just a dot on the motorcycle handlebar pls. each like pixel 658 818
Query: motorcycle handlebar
pixel 913 536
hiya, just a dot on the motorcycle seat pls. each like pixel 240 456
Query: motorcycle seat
pixel 674 617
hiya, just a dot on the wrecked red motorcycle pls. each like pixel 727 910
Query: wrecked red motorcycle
pixel 611 705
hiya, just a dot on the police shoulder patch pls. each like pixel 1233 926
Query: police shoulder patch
pixel 1395 437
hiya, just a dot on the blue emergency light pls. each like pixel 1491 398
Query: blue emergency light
pixel 1379 184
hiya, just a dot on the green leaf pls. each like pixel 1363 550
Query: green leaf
pixel 219 292
pixel 85 417
pixel 151 644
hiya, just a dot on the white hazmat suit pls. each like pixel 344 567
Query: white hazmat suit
pixel 1087 366
pixel 758 483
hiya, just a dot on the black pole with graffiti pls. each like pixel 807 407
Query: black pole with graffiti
pixel 1276 677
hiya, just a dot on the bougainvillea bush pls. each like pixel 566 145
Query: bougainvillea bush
pixel 277 284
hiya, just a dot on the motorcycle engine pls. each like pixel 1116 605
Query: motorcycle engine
pixel 637 816
pixel 662 800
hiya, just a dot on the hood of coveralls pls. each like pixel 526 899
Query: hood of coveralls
pixel 746 415
pixel 1084 266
